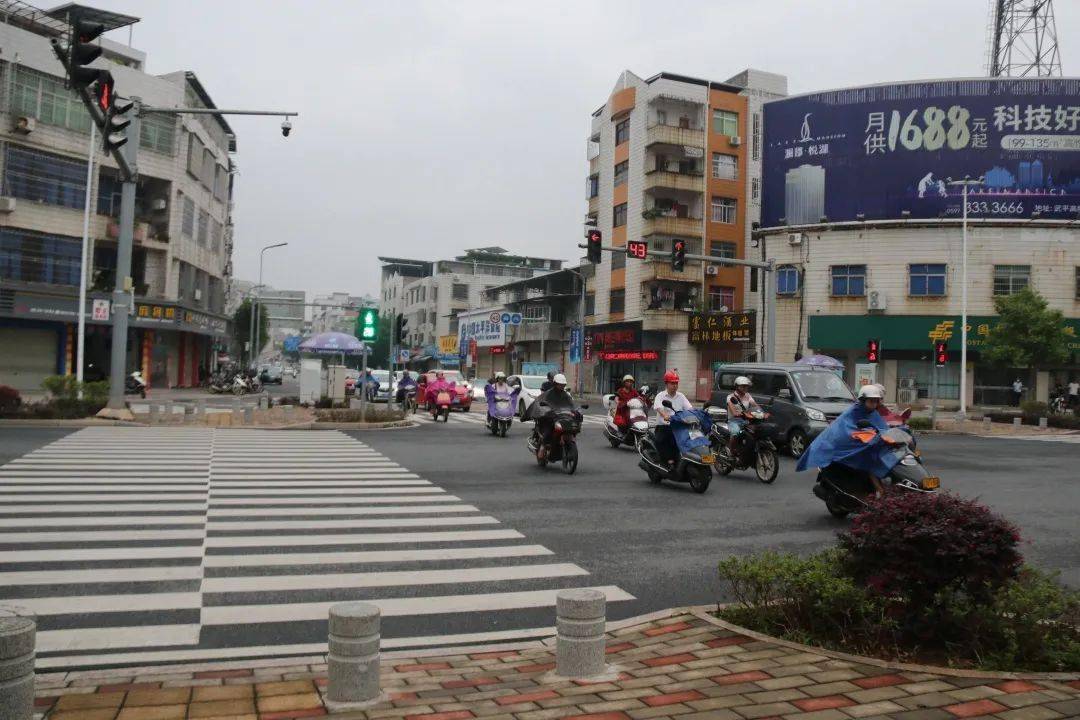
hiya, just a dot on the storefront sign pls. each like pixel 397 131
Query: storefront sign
pixel 100 312
pixel 448 344
pixel 629 355
pixel 483 326
pixel 497 350
pixel 907 332
pixel 613 337
pixel 575 346
pixel 715 328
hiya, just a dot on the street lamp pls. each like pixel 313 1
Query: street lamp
pixel 252 314
pixel 964 185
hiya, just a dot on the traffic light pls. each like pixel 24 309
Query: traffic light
pixel 82 51
pixel 114 134
pixel 369 324
pixel 678 255
pixel 594 240
pixel 401 329
pixel 873 351
pixel 941 353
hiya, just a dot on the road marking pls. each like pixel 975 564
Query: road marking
pixel 102 575
pixel 367 500
pixel 216 541
pixel 102 520
pixel 85 604
pixel 78 509
pixel 356 510
pixel 46 492
pixel 99 536
pixel 395 607
pixel 113 637
pixel 168 552
pixel 312 482
pixel 254 525
pixel 233 491
pixel 376 556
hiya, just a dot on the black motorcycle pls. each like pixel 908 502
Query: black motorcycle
pixel 753 449
pixel 845 490
pixel 562 445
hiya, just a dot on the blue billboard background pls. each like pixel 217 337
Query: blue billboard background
pixel 882 150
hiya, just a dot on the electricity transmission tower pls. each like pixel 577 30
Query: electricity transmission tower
pixel 1022 39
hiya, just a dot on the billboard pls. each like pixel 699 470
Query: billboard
pixel 888 151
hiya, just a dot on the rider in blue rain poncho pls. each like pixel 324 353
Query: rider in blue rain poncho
pixel 836 444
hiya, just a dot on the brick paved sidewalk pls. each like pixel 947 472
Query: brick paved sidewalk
pixel 684 665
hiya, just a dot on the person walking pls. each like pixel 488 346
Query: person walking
pixel 1074 393
pixel 1017 391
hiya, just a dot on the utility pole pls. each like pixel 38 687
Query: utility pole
pixel 964 185
pixel 80 353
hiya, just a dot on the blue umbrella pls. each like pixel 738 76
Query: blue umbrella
pixel 821 361
pixel 332 343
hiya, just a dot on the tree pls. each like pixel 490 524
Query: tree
pixel 242 326
pixel 1028 333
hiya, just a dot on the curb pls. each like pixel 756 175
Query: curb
pixel 78 423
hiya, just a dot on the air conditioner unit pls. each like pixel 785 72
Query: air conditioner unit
pixel 735 140
pixel 7 204
pixel 159 204
pixel 198 294
pixel 711 270
pixel 794 238
pixel 876 300
pixel 907 396
pixel 25 125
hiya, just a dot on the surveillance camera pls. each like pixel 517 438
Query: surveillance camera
pixel 286 126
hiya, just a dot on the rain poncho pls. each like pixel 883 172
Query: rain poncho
pixel 837 445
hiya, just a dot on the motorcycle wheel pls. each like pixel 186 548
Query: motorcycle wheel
pixel 570 459
pixel 237 390
pixel 446 415
pixel 505 427
pixel 766 465
pixel 724 462
pixel 835 510
pixel 797 443
pixel 700 477
pixel 142 393
pixel 615 443
pixel 542 462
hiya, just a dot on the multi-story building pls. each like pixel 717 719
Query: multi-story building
pixel 337 312
pixel 284 310
pixel 868 236
pixel 430 294
pixel 183 230
pixel 671 158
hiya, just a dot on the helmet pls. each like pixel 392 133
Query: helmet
pixel 500 374
pixel 559 379
pixel 743 380
pixel 671 376
pixel 870 391
pixel 628 377
pixel 550 375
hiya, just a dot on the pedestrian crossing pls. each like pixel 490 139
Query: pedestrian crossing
pixel 141 545
pixel 480 418
pixel 1054 438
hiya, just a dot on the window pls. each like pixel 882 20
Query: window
pixel 44 177
pixel 195 155
pixel 622 171
pixel 755 145
pixel 459 291
pixel 723 249
pixel 787 280
pixel 1009 279
pixel 187 219
pixel 622 131
pixel 721 299
pixel 590 303
pixel 1078 283
pixel 203 228
pixel 221 183
pixel 725 122
pixel 108 202
pixel 619 216
pixel 755 190
pixel 618 260
pixel 592 186
pixel 618 301
pixel 723 210
pixel 36 257
pixel 725 167
pixel 157 133
pixel 44 97
pixel 849 280
pixel 926 280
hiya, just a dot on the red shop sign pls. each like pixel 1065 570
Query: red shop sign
pixel 497 349
pixel 630 355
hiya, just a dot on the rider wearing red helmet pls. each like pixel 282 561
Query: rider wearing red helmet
pixel 665 441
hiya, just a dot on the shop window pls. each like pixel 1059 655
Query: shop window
pixel 1009 279
pixel 926 280
pixel 848 280
pixel 787 280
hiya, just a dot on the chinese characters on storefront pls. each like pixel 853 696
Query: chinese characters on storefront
pixel 709 329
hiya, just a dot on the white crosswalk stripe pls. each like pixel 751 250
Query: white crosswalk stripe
pixel 1057 437
pixel 170 544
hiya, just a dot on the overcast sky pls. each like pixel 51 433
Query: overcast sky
pixel 429 127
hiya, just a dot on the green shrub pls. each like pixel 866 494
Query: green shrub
pixel 920 423
pixel 10 400
pixel 96 391
pixel 1033 407
pixel 61 386
pixel 374 414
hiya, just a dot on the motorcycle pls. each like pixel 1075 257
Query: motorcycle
pixel 135 385
pixel 562 447
pixel 240 384
pixel 500 410
pixel 461 398
pixel 845 490
pixel 690 430
pixel 753 448
pixel 636 427
pixel 409 403
pixel 440 407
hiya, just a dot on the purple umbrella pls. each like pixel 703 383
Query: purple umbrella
pixel 332 343
pixel 820 361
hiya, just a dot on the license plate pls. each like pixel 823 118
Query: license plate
pixel 708 459
pixel 931 483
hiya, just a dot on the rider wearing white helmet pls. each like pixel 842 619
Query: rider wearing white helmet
pixel 739 403
pixel 551 399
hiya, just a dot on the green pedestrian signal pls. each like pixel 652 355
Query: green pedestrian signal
pixel 369 324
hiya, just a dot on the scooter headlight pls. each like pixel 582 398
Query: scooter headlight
pixel 909 460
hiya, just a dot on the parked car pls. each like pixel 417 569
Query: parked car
pixel 271 375
pixel 802 400
pixel 530 390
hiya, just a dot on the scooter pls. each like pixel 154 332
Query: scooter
pixel 563 444
pixel 135 385
pixel 240 384
pixel 636 428
pixel 690 429
pixel 753 448
pixel 500 410
pixel 845 490
pixel 441 406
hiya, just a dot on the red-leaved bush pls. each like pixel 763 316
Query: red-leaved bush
pixel 913 546
pixel 9 398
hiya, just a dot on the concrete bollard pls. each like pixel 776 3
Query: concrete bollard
pixel 249 415
pixel 1043 423
pixel 237 416
pixel 200 407
pixel 169 409
pixel 16 666
pixel 289 412
pixel 1016 422
pixel 580 619
pixel 353 658
pixel 235 404
pixel 986 422
pixel 153 412
pixel 264 402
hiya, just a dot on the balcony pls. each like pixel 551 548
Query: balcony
pixel 535 331
pixel 594 205
pixel 672 225
pixel 692 182
pixel 674 135
pixel 665 320
pixel 660 269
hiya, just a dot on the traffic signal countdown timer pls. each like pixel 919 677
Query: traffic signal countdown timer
pixel 873 351
pixel 637 249
pixel 369 324
pixel 941 353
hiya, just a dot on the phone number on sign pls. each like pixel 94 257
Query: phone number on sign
pixel 996 208
pixel 1040 142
